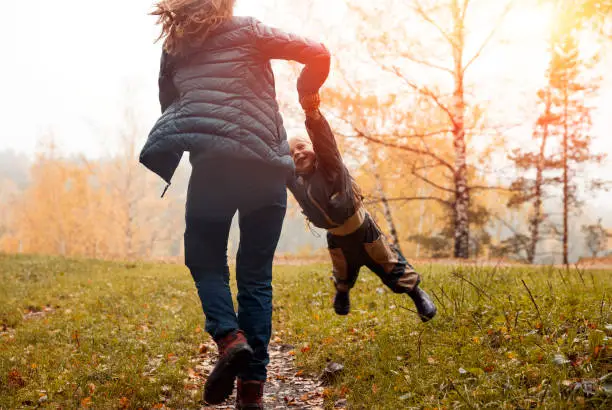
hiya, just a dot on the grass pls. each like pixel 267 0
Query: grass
pixel 81 333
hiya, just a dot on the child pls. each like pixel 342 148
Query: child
pixel 216 89
pixel 330 199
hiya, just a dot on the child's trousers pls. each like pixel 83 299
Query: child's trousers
pixel 217 189
pixel 367 246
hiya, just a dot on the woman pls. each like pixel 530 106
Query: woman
pixel 216 90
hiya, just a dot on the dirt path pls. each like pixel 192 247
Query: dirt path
pixel 287 388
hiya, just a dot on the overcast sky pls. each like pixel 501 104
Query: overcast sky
pixel 71 67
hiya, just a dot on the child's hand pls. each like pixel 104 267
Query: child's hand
pixel 310 104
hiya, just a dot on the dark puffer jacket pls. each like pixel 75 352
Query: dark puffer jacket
pixel 219 101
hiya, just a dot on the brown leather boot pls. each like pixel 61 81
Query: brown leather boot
pixel 234 355
pixel 249 395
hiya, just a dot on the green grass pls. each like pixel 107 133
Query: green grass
pixel 114 334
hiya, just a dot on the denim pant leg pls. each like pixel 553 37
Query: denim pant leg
pixel 259 234
pixel 206 258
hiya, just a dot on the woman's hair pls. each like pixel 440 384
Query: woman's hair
pixel 187 23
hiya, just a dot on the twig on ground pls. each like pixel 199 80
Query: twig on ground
pixel 518 312
pixel 439 300
pixel 419 343
pixel 601 307
pixel 480 291
pixel 532 299
pixel 580 273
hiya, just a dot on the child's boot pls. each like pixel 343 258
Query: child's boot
pixel 342 303
pixel 249 395
pixel 234 355
pixel 424 305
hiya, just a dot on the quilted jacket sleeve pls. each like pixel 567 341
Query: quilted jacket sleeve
pixel 277 44
pixel 167 91
pixel 324 144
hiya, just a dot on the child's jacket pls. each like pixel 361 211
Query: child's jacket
pixel 326 195
pixel 219 101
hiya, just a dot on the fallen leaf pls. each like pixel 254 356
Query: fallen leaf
pixel 15 380
pixel 344 390
pixel 86 402
pixel 431 360
pixel 124 403
pixel 596 351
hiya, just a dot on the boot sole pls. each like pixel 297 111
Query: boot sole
pixel 341 312
pixel 425 319
pixel 220 382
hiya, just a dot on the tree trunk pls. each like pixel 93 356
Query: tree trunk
pixel 387 211
pixel 536 219
pixel 462 195
pixel 565 179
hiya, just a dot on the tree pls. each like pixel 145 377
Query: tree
pixel 527 190
pixel 455 116
pixel 571 87
pixel 596 238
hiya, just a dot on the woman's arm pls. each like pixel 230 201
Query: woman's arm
pixel 277 44
pixel 167 91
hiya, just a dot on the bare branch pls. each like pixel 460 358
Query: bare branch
pixel 490 36
pixel 425 62
pixel 376 200
pixel 419 9
pixel 421 135
pixel 430 182
pixel 493 188
pixel 516 233
pixel 466 3
pixel 440 160
pixel 424 91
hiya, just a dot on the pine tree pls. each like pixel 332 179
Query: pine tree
pixel 571 88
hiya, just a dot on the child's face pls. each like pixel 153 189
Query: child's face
pixel 303 155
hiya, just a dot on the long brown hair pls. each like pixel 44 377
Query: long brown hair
pixel 187 23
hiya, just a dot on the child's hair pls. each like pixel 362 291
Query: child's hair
pixel 187 23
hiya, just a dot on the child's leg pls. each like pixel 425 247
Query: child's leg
pixel 388 263
pixel 395 272
pixel 345 268
pixel 345 265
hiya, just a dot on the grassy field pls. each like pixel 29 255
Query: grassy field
pixel 78 333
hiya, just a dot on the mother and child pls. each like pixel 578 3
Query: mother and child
pixel 218 102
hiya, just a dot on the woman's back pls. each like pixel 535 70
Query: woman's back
pixel 219 100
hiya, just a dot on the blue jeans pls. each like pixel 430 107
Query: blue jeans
pixel 217 189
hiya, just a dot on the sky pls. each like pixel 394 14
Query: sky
pixel 70 69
